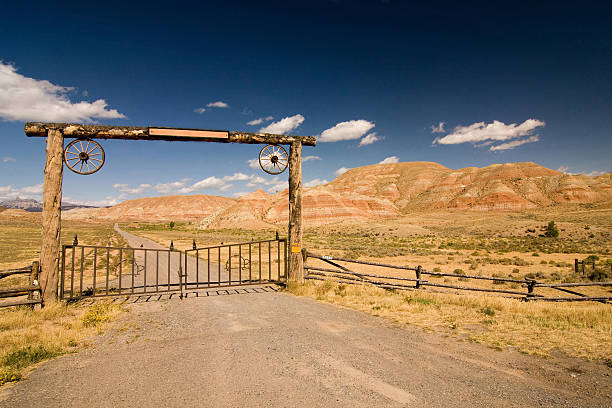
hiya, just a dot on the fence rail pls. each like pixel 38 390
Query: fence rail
pixel 32 290
pixel 344 275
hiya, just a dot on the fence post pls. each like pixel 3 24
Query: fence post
pixel 576 266
pixel 593 264
pixel 530 285
pixel 417 285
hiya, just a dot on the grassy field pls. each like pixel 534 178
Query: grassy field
pixel 28 336
pixel 498 244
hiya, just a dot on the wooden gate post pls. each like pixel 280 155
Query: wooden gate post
pixel 296 262
pixel 51 216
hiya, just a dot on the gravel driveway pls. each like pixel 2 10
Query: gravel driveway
pixel 259 347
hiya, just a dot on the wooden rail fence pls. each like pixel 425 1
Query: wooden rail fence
pixel 344 275
pixel 32 290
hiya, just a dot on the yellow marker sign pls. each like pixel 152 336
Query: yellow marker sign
pixel 296 248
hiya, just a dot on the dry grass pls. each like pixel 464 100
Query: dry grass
pixel 28 336
pixel 578 329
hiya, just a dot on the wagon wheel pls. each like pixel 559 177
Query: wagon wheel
pixel 273 159
pixel 84 156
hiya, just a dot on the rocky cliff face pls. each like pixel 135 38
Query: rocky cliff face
pixel 381 190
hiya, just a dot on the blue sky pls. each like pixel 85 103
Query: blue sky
pixel 374 79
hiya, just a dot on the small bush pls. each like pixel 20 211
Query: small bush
pixel 487 310
pixel 459 272
pixel 515 270
pixel 535 254
pixel 551 230
pixel 97 314
pixel 436 269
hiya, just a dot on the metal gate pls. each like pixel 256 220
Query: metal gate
pixel 236 264
pixel 92 271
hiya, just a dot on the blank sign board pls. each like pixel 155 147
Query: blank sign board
pixel 196 134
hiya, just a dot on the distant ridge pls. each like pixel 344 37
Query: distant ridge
pixel 31 205
pixel 377 191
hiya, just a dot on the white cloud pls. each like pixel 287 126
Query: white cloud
pixel 124 188
pixel 253 163
pixel 439 128
pixel 218 104
pixel 563 169
pixel 284 125
pixel 200 110
pixel 23 99
pixel 279 187
pixel 10 192
pixel 236 177
pixel 254 122
pixel 7 159
pixel 350 130
pixel 596 173
pixel 240 194
pixel 514 143
pixel 341 171
pixel 166 188
pixel 496 131
pixel 390 160
pixel 369 139
pixel 315 182
pixel 309 158
pixel 259 121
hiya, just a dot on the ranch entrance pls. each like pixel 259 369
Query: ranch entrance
pixel 74 271
pixel 93 271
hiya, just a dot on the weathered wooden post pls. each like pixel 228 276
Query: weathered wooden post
pixel 51 216
pixel 576 266
pixel 418 271
pixel 296 261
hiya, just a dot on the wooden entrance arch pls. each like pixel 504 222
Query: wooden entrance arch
pixel 52 191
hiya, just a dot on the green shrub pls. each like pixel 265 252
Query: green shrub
pixel 551 230
pixel 487 310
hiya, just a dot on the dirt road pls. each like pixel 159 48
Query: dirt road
pixel 263 348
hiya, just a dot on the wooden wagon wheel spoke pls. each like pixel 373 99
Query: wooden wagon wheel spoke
pixel 273 159
pixel 84 156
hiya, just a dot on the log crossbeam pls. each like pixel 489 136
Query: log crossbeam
pixel 71 130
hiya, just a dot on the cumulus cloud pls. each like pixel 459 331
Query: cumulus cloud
pixel 259 121
pixel 7 159
pixel 390 160
pixel 124 188
pixel 349 130
pixel 439 128
pixel 481 134
pixel 218 104
pixel 253 163
pixel 563 169
pixel 514 143
pixel 23 98
pixel 341 171
pixel 309 158
pixel 315 182
pixel 369 139
pixel 10 192
pixel 284 125
pixel 200 110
